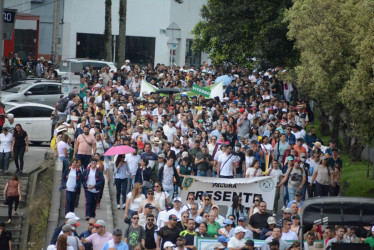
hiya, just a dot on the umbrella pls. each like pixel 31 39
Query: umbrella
pixel 119 150
pixel 226 79
pixel 168 91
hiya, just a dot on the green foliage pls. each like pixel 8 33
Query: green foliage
pixel 234 31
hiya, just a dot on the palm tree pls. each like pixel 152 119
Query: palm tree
pixel 108 31
pixel 122 33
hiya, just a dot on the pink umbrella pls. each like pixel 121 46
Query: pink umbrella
pixel 119 150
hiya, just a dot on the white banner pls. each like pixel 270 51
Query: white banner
pixel 146 87
pixel 223 190
pixel 217 90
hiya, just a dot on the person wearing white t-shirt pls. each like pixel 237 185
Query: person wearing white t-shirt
pixel 62 150
pixel 237 241
pixel 287 234
pixel 170 131
pixel 226 165
pixel 133 161
pixel 177 210
pixel 254 170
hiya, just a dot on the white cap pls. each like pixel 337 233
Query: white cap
pixel 98 86
pixel 240 230
pixel 71 215
pixel 10 115
pixel 127 61
pixel 169 244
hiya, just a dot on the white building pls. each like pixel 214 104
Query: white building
pixel 82 28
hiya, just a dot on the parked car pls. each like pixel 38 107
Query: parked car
pixel 34 118
pixel 74 65
pixel 41 91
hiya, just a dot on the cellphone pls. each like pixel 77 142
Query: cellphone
pixel 104 130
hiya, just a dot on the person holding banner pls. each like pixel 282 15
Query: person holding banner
pixel 226 165
pixel 254 170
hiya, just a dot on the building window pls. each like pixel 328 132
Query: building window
pixel 139 50
pixel 191 57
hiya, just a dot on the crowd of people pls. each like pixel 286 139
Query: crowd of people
pixel 259 120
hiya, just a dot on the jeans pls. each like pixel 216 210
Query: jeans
pixel 10 205
pixel 239 175
pixel 121 187
pixel 69 201
pixel 291 194
pixel 85 159
pixel 170 191
pixel 91 200
pixel 18 153
pixel 132 183
pixel 65 163
pixel 4 161
pixel 322 190
pixel 285 196
pixel 201 173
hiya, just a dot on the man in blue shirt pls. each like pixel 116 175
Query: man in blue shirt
pixel 116 242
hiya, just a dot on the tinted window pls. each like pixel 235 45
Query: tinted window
pixel 22 112
pixel 37 90
pixel 41 112
pixel 76 67
pixel 53 89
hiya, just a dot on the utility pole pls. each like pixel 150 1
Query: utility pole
pixel 55 35
pixel 1 30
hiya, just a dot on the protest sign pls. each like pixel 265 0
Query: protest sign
pixel 200 90
pixel 223 190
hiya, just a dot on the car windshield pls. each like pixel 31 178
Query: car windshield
pixel 16 87
pixel 67 66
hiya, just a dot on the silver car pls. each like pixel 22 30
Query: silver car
pixel 46 92
pixel 34 118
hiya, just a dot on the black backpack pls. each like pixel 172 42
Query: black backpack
pixel 61 105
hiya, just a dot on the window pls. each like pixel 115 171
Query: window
pixel 22 112
pixel 39 112
pixel 37 90
pixel 53 89
pixel 191 57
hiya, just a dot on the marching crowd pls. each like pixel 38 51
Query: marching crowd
pixel 259 128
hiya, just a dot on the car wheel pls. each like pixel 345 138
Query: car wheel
pixel 36 143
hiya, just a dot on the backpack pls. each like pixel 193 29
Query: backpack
pixel 61 105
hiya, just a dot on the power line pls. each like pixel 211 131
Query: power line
pixel 32 7
pixel 16 5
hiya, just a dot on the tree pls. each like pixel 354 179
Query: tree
pixel 235 31
pixel 319 29
pixel 108 31
pixel 122 33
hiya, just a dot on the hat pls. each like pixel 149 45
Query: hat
pixel 242 218
pixel 296 160
pixel 98 85
pixel 97 121
pixel 253 107
pixel 41 58
pixel 171 108
pixel 100 223
pixel 271 220
pixel 177 199
pixel 101 79
pixel 156 140
pixel 73 223
pixel 227 222
pixel 298 193
pixel 168 244
pixel 241 110
pixel 117 231
pixel 169 206
pixel 222 239
pixel 162 155
pixel 250 243
pixel 289 158
pixel 215 206
pixel 61 128
pixel 240 229
pixel 173 217
pixel 184 154
pixel 274 242
pixel 287 211
pixel 317 144
pixel 323 158
pixel 71 215
pixel 10 115
pixel 149 205
pixel 67 228
pixel 184 94
pixel 219 246
pixel 171 120
pixel 140 126
pixel 333 141
pixel 283 122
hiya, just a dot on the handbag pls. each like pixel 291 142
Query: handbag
pixel 146 184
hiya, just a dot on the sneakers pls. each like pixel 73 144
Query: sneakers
pixel 9 221
pixel 283 208
pixel 118 206
pixel 123 206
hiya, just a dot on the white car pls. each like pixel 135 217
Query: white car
pixel 34 118
pixel 76 65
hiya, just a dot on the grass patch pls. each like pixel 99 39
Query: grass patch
pixel 39 208
pixel 354 181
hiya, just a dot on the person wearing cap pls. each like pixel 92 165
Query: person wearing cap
pixel 218 246
pixel 287 214
pixel 70 231
pixel 296 178
pixel 88 232
pixel 339 237
pixel 58 229
pixel 267 231
pixel 116 242
pixel 163 216
pixel 332 145
pixel 237 241
pixel 5 237
pixel 274 241
pixel 220 219
pixel 168 233
pixel 300 147
pixel 168 246
pixel 148 209
pixel 323 177
pixel 135 233
pixel 227 228
pixel 9 123
pixel 99 238
pixel 92 180
pixel 6 141
pixel 177 208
